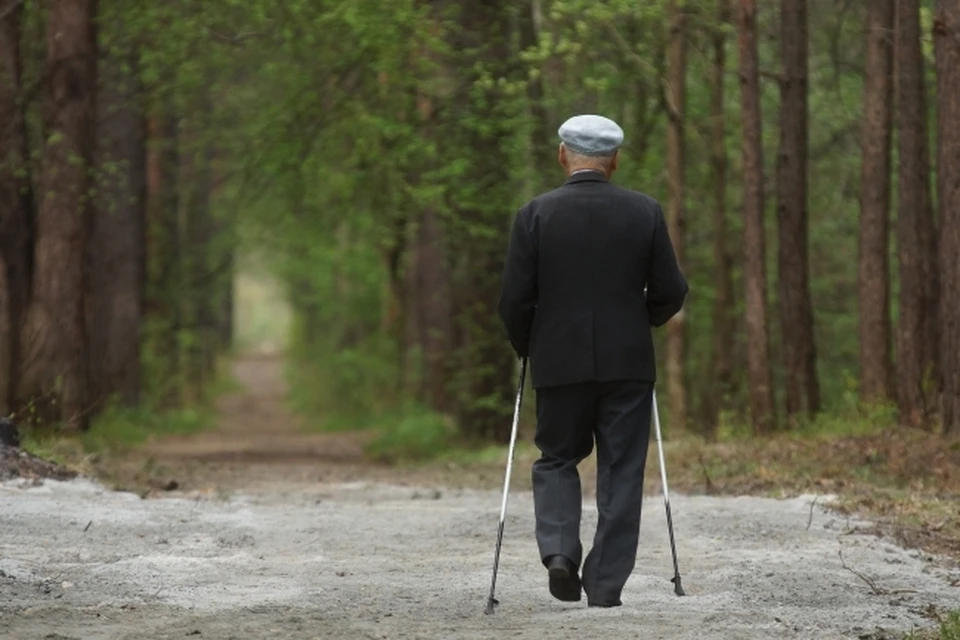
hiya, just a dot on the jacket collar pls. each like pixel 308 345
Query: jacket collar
pixel 586 176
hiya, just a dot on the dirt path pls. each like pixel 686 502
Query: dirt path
pixel 280 534
pixel 257 444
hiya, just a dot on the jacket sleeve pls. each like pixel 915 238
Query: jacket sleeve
pixel 518 291
pixel 666 287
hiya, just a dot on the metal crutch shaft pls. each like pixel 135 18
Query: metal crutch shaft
pixel 491 600
pixel 678 587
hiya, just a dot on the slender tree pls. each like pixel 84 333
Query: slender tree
pixel 755 274
pixel 676 217
pixel 164 274
pixel 16 207
pixel 200 264
pixel 721 353
pixel 489 117
pixel 433 309
pixel 796 307
pixel 873 282
pixel 916 328
pixel 54 372
pixel 946 34
pixel 117 247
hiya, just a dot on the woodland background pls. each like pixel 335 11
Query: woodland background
pixel 369 156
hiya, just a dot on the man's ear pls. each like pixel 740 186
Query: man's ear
pixel 615 162
pixel 562 155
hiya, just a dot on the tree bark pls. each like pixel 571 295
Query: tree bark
pixel 196 176
pixel 16 209
pixel 54 374
pixel 917 325
pixel 225 300
pixel 796 308
pixel 484 379
pixel 433 311
pixel 117 249
pixel 164 274
pixel 873 282
pixel 946 34
pixel 676 216
pixel 721 353
pixel 755 273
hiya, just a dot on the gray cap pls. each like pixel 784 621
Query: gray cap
pixel 591 135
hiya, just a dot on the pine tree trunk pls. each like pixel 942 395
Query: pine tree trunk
pixel 484 380
pixel 876 367
pixel 676 216
pixel 117 249
pixel 225 300
pixel 796 308
pixel 223 278
pixel 720 369
pixel 196 160
pixel 916 328
pixel 164 273
pixel 759 377
pixel 16 209
pixel 433 312
pixel 54 373
pixel 946 34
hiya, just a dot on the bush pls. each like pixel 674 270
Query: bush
pixel 416 434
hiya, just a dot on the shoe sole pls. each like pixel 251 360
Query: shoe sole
pixel 564 586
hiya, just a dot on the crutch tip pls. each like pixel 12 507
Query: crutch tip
pixel 491 603
pixel 677 586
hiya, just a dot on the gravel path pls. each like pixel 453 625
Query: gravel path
pixel 300 558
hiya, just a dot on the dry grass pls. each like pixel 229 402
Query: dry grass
pixel 907 481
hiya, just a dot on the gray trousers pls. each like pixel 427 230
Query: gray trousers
pixel 617 415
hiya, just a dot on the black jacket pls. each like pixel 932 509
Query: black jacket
pixel 572 297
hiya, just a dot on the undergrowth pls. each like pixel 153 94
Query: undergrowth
pixel 117 429
pixel 949 629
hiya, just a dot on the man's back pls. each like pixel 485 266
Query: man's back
pixel 573 296
pixel 589 271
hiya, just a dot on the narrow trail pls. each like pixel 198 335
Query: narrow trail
pixel 277 533
pixel 258 443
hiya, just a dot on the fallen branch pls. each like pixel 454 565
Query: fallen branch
pixel 810 519
pixel 710 489
pixel 877 590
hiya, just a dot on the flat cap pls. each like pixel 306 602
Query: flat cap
pixel 591 135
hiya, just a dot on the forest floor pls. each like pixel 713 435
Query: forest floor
pixel 258 529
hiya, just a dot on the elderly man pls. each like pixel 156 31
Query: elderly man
pixel 589 271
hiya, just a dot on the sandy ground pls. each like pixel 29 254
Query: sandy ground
pixel 284 535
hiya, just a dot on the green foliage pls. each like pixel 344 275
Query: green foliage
pixel 851 419
pixel 415 434
pixel 123 428
pixel 336 124
pixel 115 430
pixel 344 389
pixel 949 629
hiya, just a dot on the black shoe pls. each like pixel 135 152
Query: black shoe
pixel 564 581
pixel 615 603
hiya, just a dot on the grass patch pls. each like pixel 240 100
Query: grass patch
pixel 416 434
pixel 114 432
pixel 117 430
pixel 949 629
pixel 121 429
pixel 907 481
pixel 349 389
